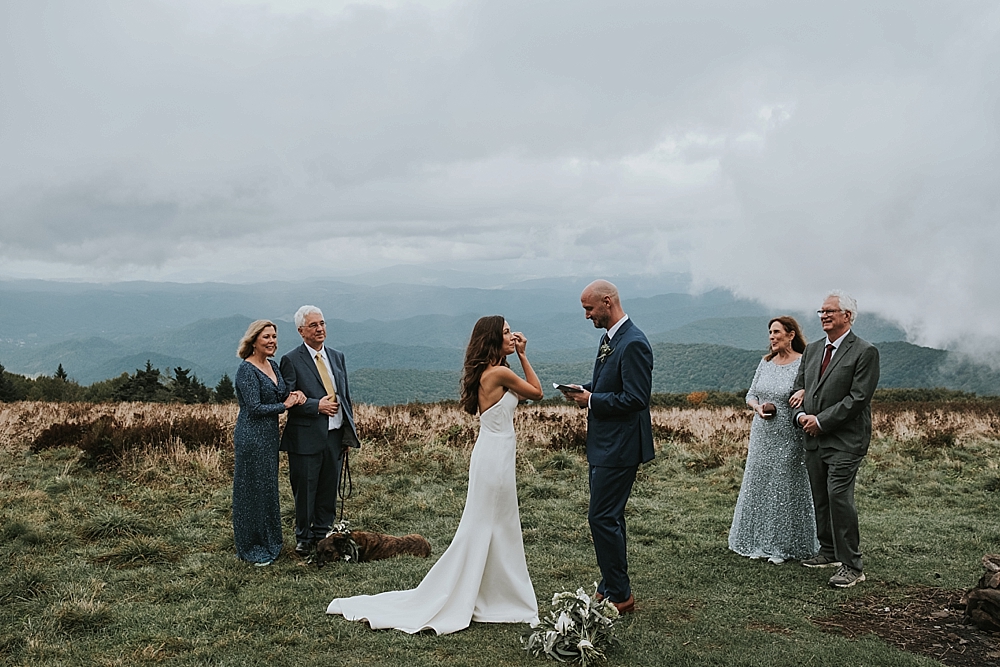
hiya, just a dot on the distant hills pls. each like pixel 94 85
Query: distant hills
pixel 405 342
pixel 685 368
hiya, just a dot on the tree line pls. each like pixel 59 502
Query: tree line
pixel 182 386
pixel 147 384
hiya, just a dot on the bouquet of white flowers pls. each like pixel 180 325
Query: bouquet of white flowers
pixel 579 628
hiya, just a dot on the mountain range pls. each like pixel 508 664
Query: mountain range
pixel 405 341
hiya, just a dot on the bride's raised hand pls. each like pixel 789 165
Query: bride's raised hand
pixel 520 342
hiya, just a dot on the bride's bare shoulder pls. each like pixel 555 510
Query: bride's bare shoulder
pixel 494 373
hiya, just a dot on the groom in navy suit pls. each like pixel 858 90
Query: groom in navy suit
pixel 619 432
pixel 318 430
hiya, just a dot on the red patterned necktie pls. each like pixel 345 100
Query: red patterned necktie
pixel 826 359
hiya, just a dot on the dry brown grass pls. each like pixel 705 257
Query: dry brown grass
pixel 21 423
pixel 429 435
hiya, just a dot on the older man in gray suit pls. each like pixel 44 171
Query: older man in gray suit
pixel 318 430
pixel 831 399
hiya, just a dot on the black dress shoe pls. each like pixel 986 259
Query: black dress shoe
pixel 303 548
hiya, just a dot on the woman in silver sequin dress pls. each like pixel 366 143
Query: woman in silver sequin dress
pixel 774 516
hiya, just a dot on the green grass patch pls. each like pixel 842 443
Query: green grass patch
pixel 122 566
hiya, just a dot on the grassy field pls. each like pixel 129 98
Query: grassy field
pixel 123 554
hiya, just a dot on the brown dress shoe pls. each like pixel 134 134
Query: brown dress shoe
pixel 626 607
pixel 598 597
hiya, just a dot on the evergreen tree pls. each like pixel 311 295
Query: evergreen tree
pixel 61 374
pixel 146 385
pixel 45 388
pixel 186 388
pixel 106 391
pixel 224 391
pixel 8 391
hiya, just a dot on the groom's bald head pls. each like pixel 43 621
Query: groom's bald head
pixel 601 304
pixel 601 289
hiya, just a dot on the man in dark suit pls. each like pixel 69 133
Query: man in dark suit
pixel 831 402
pixel 316 431
pixel 619 432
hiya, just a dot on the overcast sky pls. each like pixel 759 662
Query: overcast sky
pixel 776 148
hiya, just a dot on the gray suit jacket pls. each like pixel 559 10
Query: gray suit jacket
pixel 306 429
pixel 842 398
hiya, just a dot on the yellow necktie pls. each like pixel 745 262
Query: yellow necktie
pixel 324 375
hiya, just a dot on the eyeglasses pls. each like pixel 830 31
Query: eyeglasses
pixel 831 313
pixel 316 325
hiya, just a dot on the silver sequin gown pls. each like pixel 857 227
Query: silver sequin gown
pixel 774 515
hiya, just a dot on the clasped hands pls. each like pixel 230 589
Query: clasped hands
pixel 809 423
pixel 328 405
pixel 294 398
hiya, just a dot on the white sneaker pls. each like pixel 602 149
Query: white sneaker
pixel 774 560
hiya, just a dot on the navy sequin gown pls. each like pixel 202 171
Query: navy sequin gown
pixel 256 509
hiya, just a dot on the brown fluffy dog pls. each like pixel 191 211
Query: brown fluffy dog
pixel 362 546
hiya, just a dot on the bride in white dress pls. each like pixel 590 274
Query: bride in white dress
pixel 483 575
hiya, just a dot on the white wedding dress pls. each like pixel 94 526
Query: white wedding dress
pixel 483 575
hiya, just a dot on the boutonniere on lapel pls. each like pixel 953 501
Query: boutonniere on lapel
pixel 604 352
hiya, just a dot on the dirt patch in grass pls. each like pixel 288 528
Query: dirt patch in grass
pixel 927 621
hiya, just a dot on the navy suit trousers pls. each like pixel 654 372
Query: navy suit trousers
pixel 314 479
pixel 609 492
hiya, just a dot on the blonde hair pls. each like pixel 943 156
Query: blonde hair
pixel 245 348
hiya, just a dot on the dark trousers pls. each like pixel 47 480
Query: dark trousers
pixel 609 491
pixel 832 474
pixel 314 479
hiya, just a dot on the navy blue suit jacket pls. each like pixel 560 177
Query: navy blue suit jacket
pixel 306 429
pixel 619 428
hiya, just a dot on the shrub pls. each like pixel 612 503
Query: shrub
pixel 674 433
pixel 718 399
pixel 697 397
pixel 105 439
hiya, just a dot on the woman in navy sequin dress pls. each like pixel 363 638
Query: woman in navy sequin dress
pixel 262 396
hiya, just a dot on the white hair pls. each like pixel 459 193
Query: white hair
pixel 300 314
pixel 846 301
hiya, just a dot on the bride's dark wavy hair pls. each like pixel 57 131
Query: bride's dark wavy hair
pixel 485 349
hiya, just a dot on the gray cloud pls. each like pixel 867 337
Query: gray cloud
pixel 777 148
